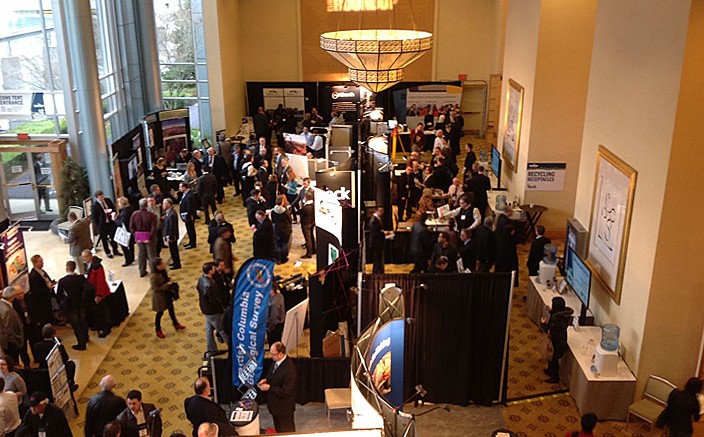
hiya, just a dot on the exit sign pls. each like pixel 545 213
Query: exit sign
pixel 462 77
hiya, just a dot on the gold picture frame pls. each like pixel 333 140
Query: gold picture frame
pixel 610 222
pixel 512 124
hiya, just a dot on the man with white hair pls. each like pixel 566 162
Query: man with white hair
pixel 103 408
pixel 11 330
pixel 143 227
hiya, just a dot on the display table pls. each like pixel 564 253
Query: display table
pixel 117 302
pixel 539 296
pixel 606 396
pixel 405 138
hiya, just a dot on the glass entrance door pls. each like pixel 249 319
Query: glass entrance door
pixel 28 186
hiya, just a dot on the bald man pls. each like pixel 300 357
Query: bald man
pixel 103 408
pixel 201 410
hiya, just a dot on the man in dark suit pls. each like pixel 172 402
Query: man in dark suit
pixel 485 241
pixel 405 183
pixel 171 233
pixel 261 123
pixel 480 184
pixel 200 409
pixel 263 236
pixel 537 248
pixel 102 408
pixel 41 350
pixel 139 418
pixel 78 238
pixel 308 224
pixel 101 214
pixel 377 240
pixel 197 160
pixel 75 296
pixel 208 190
pixel 39 297
pixel 254 203
pixel 280 385
pixel 187 208
pixel 469 159
pixel 218 166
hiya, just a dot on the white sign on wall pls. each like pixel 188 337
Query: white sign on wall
pixel 546 176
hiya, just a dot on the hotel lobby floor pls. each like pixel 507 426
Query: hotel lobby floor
pixel 164 370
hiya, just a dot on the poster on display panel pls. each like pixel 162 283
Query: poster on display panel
pixel 385 361
pixel 15 258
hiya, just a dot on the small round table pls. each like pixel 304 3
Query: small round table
pixel 533 214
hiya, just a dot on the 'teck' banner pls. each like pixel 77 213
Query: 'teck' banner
pixel 249 316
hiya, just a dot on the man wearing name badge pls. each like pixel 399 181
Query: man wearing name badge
pixel 187 209
pixel 280 385
pixel 139 419
pixel 43 419
pixel 171 233
pixel 40 292
pixel 200 409
pixel 101 214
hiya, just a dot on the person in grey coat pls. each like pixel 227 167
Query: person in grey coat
pixel 11 329
pixel 78 238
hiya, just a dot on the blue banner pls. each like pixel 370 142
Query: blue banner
pixel 385 361
pixel 249 316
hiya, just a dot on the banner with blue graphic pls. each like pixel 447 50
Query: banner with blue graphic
pixel 385 361
pixel 249 315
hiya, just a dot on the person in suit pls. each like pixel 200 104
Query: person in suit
pixel 479 185
pixel 79 237
pixel 11 329
pixel 506 259
pixel 171 233
pixel 308 224
pixel 235 167
pixel 254 203
pixel 212 304
pixel 300 197
pixel 537 248
pixel 467 249
pixel 261 124
pixel 280 385
pixel 40 292
pixel 377 240
pixel 422 242
pixel 139 419
pixel 485 241
pixel 263 239
pixel 208 191
pixel 76 295
pixel 42 180
pixel 41 350
pixel 103 221
pixel 197 160
pixel 444 248
pixel 102 408
pixel 469 159
pixel 200 409
pixel 404 184
pixel 187 209
pixel 218 166
pixel 222 249
pixel 43 419
pixel 123 219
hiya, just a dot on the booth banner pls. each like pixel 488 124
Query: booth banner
pixel 342 183
pixel 249 316
pixel 436 96
pixel 328 213
pixel 385 361
pixel 546 176
pixel 299 164
pixel 15 257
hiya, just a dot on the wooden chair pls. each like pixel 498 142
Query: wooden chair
pixel 654 401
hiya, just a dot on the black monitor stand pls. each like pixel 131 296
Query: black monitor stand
pixel 585 320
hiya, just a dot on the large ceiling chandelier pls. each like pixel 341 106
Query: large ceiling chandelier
pixel 376 57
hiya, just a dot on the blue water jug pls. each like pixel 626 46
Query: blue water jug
pixel 609 337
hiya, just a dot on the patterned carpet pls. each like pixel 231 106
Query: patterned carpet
pixel 164 370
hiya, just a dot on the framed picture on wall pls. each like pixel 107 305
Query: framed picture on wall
pixel 512 122
pixel 612 206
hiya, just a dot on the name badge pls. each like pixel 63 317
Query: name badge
pixel 463 217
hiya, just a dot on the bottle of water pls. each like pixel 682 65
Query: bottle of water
pixel 609 337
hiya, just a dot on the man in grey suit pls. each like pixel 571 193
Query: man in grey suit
pixel 11 329
pixel 78 239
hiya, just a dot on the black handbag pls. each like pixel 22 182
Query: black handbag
pixel 174 291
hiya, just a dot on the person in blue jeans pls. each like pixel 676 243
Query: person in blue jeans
pixel 212 306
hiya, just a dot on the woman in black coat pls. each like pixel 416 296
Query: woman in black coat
pixel 123 219
pixel 281 218
pixel 555 324
pixel 683 407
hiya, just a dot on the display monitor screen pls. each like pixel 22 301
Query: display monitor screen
pixel 496 162
pixel 579 277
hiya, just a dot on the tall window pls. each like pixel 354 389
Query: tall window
pixel 111 94
pixel 31 98
pixel 182 61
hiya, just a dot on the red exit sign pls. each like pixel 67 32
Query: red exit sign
pixel 462 77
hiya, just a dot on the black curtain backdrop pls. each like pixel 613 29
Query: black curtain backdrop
pixel 456 333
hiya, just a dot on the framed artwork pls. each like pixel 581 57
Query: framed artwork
pixel 512 121
pixel 612 206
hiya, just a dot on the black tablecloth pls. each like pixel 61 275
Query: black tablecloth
pixel 117 301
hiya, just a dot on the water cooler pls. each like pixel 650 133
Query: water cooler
pixel 547 269
pixel 606 355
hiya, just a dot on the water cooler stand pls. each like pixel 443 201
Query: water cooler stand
pixel 605 362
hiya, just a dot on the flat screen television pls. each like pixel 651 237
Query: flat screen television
pixel 496 165
pixel 579 277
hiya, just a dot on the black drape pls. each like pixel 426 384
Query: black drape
pixel 456 335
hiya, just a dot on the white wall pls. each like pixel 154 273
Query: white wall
pixel 520 56
pixel 633 90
